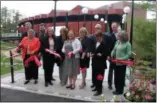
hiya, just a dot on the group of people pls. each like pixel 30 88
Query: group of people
pixel 73 54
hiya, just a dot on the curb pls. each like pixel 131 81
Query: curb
pixel 78 97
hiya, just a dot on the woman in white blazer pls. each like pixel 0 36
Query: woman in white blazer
pixel 71 64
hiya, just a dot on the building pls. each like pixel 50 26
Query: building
pixel 76 20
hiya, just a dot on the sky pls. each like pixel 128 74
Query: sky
pixel 32 8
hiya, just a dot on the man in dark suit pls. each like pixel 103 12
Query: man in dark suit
pixel 113 40
pixel 92 38
pixel 28 26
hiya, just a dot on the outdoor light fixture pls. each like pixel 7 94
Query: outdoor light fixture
pixel 102 19
pixel 105 21
pixel 96 16
pixel 126 11
pixel 22 26
pixel 84 11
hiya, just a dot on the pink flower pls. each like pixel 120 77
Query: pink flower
pixel 148 88
pixel 154 86
pixel 137 96
pixel 130 85
pixel 137 86
pixel 147 97
pixel 133 92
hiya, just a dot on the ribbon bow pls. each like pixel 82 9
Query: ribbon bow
pixel 100 77
pixel 52 52
pixel 32 58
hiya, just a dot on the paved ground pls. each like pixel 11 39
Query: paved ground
pixel 56 90
pixel 10 95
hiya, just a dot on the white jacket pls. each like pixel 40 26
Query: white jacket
pixel 76 44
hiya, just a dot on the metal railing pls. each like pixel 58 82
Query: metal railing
pixel 12 68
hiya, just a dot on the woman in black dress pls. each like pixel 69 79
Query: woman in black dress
pixel 48 59
pixel 99 62
pixel 84 55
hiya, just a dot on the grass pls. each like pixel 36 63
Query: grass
pixel 6 46
pixel 5 61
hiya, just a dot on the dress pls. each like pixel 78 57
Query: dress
pixel 70 64
pixel 84 63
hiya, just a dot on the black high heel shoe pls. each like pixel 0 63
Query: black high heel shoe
pixel 72 87
pixel 82 85
pixel 46 84
pixel 26 82
pixel 69 86
pixel 50 83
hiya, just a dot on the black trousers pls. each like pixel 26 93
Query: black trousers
pixel 48 65
pixel 94 76
pixel 110 73
pixel 99 82
pixel 31 72
pixel 119 75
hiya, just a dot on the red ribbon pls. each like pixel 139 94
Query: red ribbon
pixel 100 77
pixel 32 58
pixel 126 62
pixel 83 69
pixel 70 54
pixel 52 52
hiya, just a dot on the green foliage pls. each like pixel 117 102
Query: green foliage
pixel 144 39
pixel 9 19
pixel 147 5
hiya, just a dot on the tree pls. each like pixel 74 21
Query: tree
pixel 9 19
pixel 144 43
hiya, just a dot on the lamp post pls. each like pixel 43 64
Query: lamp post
pixel 106 26
pixel 126 11
pixel 106 18
pixel 132 19
pixel 84 11
pixel 66 20
pixel 54 18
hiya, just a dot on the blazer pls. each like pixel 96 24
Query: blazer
pixel 106 39
pixel 34 46
pixel 45 45
pixel 100 61
pixel 76 44
pixel 85 44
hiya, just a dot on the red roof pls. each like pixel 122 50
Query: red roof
pixel 115 8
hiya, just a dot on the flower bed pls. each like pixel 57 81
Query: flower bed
pixel 143 85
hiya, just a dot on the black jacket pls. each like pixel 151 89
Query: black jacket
pixel 58 48
pixel 112 41
pixel 99 62
pixel 45 45
pixel 86 45
pixel 106 38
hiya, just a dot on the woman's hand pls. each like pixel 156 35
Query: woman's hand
pixel 70 54
pixel 99 54
pixel 88 55
pixel 108 58
pixel 83 55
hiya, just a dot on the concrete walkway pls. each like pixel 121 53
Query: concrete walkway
pixel 56 90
